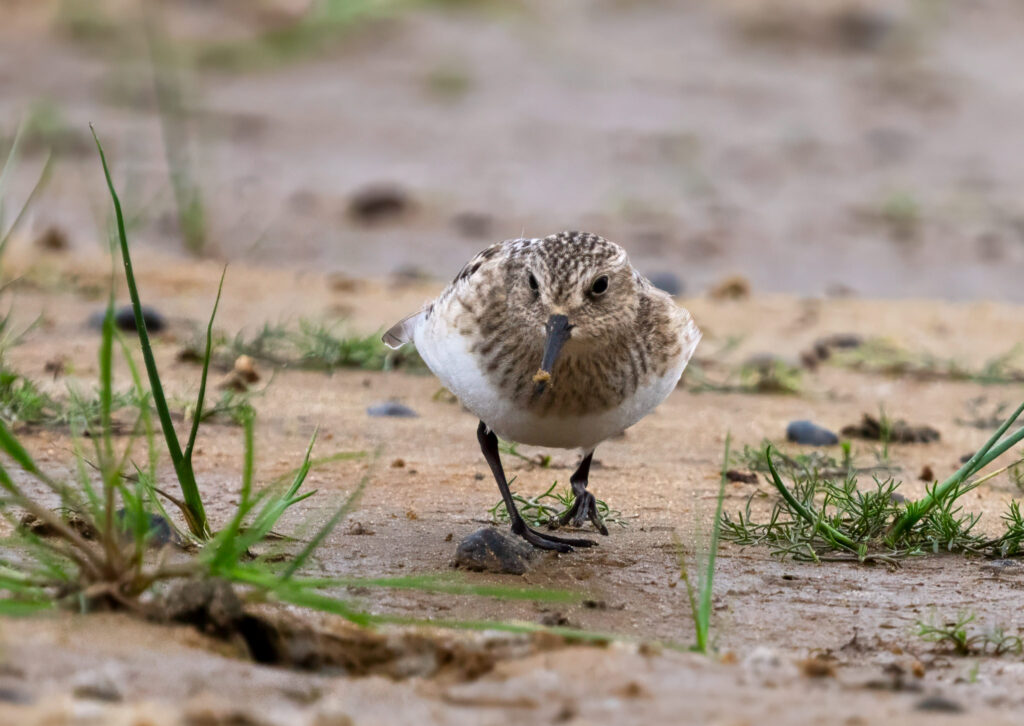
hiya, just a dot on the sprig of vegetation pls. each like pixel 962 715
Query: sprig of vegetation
pixel 963 639
pixel 877 355
pixel 771 377
pixel 511 448
pixel 308 345
pixel 546 507
pixel 700 593
pixel 819 516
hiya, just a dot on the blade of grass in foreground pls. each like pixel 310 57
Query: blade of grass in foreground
pixel 196 514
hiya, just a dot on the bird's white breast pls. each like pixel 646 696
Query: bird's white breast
pixel 446 352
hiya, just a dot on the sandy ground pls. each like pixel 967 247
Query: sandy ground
pixel 817 156
pixel 770 615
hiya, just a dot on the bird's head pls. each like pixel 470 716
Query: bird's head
pixel 575 291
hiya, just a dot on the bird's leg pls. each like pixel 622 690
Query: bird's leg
pixel 489 446
pixel 585 505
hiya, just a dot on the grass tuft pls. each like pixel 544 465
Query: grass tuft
pixel 821 517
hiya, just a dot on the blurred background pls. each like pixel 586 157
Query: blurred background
pixel 815 147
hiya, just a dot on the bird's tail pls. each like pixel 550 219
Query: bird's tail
pixel 402 332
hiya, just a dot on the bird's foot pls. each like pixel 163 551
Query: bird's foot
pixel 584 508
pixel 549 541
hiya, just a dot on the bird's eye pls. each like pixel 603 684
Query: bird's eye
pixel 600 286
pixel 533 283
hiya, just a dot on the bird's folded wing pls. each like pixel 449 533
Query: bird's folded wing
pixel 401 332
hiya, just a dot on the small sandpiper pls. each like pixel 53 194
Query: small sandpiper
pixel 554 342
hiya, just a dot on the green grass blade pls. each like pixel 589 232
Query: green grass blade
pixel 812 519
pixel 350 503
pixel 41 182
pixel 707 582
pixel 198 415
pixel 183 469
pixel 13 448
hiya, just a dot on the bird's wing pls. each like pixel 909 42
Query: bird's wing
pixel 401 332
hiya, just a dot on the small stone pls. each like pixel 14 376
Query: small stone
pixel 357 528
pixel 245 367
pixel 667 282
pixel 160 531
pixel 97 685
pixel 938 704
pixel 391 408
pixel 10 695
pixel 806 432
pixel 818 666
pixel 743 477
pixel 379 203
pixel 398 464
pixel 917 668
pixel 926 474
pixel 124 319
pixel 487 550
pixel 53 239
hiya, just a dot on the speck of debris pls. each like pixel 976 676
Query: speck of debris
pixel 391 409
pixel 744 477
pixel 938 704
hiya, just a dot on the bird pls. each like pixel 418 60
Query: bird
pixel 556 342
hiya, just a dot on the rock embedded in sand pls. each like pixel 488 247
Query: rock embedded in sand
pixel 379 203
pixel 391 408
pixel 938 704
pixel 124 319
pixel 667 282
pixel 487 550
pixel 808 432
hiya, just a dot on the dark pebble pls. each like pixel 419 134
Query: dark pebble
pixel 745 477
pixel 378 203
pixel 124 319
pixel 487 550
pixel 10 695
pixel 391 408
pixel 806 432
pixel 938 704
pixel 161 532
pixel 668 282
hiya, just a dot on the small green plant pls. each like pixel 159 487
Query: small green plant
pixel 10 164
pixel 511 448
pixel 823 518
pixel 769 375
pixel 699 593
pixel 901 213
pixel 309 345
pixel 547 507
pixel 964 639
pixel 881 356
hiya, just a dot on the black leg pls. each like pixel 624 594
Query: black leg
pixel 585 505
pixel 489 446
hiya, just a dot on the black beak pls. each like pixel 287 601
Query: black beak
pixel 558 330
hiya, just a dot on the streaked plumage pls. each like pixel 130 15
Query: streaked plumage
pixel 626 343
